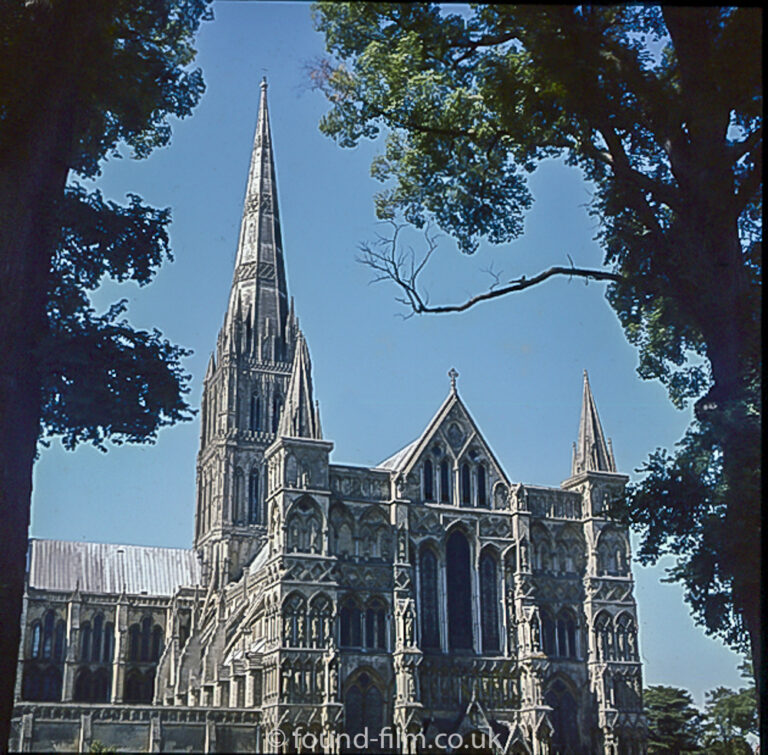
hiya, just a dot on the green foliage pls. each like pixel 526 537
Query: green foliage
pixel 732 717
pixel 98 746
pixel 126 72
pixel 661 109
pixel 674 724
pixel 100 377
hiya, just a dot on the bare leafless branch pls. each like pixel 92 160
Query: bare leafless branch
pixel 386 259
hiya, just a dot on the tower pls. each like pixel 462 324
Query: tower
pixel 610 611
pixel 247 379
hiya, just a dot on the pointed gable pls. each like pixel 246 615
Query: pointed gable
pixel 451 435
pixel 591 452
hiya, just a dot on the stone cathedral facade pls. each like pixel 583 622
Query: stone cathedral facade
pixel 427 604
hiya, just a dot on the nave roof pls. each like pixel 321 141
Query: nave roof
pixel 65 566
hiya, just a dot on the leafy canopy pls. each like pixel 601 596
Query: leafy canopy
pixel 126 73
pixel 675 725
pixel 661 109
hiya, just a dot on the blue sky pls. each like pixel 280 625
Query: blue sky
pixel 379 378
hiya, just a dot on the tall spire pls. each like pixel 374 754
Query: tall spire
pixel 591 452
pixel 259 279
pixel 300 417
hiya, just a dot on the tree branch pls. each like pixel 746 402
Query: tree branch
pixel 520 284
pixel 401 268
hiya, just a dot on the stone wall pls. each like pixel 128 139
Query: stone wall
pixel 56 727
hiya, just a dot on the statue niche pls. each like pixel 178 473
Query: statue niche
pixel 304 527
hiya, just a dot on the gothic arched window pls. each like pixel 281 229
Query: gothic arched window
pixel 430 612
pixel 59 641
pixel 85 641
pixel 109 642
pixel 375 625
pixel 565 737
pixel 146 632
pixel 566 635
pixel 459 592
pixel 276 406
pixel 254 503
pixel 428 481
pixel 481 493
pixel 134 642
pixel 98 637
pixel 48 623
pixel 445 482
pixel 37 632
pixel 549 642
pixel 466 486
pixel 364 709
pixel 139 687
pixel 350 630
pixel 489 603
pixel 239 504
pixel 254 420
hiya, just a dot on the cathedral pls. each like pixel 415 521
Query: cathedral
pixel 427 604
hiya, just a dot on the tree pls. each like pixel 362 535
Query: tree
pixel 674 724
pixel 78 78
pixel 661 109
pixel 731 717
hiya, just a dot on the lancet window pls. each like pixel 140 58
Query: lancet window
pixel 43 673
pixel 145 643
pixel 428 481
pixel 139 686
pixel 466 486
pixel 564 717
pixel 254 419
pixel 459 591
pixel 445 482
pixel 489 602
pixel 481 486
pixel 566 635
pixel 254 500
pixel 277 405
pixel 363 707
pixel 375 625
pixel 350 624
pixel 428 598
pixel 92 686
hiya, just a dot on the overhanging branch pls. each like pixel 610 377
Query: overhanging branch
pixel 402 268
pixel 520 284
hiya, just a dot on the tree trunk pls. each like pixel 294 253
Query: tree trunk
pixel 32 179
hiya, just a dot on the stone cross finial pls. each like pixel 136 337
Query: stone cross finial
pixel 452 374
pixel 263 82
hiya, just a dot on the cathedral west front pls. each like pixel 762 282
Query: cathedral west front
pixel 426 604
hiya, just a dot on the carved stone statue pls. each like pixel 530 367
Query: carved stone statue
pixel 408 622
pixel 535 631
pixel 302 629
pixel 314 536
pixel 316 638
pixel 333 682
pixel 524 563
